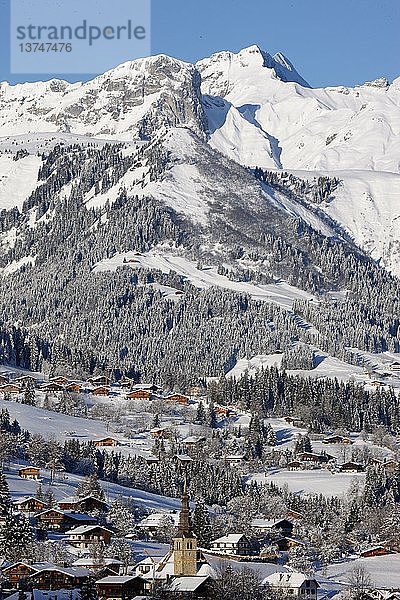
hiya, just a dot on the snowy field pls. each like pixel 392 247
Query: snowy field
pixel 319 481
pixel 63 488
pixel 384 570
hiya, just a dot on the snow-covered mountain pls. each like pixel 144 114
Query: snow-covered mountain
pixel 255 108
pixel 134 226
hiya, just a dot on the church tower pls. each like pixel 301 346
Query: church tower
pixel 185 543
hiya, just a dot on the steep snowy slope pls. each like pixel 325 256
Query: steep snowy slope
pixel 331 128
pixel 350 133
pixel 367 205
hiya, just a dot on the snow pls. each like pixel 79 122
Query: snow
pixel 63 488
pixel 18 179
pixel 317 481
pixel 384 570
pixel 15 265
pixel 280 293
pixel 254 364
pixel 330 367
pixel 366 206
pixel 351 133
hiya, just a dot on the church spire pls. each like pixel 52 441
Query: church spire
pixel 185 542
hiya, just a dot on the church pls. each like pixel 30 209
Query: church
pixel 184 568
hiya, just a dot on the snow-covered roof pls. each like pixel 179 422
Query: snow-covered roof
pixel 187 584
pixel 91 562
pixel 86 529
pixel 193 439
pixel 117 579
pixel 267 523
pixel 287 579
pixel 143 386
pixel 75 500
pixel 79 516
pixel 39 566
pixel 156 519
pixel 231 538
pixel 23 499
pixel 184 457
pixel 70 571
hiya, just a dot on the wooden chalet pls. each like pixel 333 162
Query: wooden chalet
pixel 101 390
pixel 183 459
pixel 107 442
pixel 190 587
pixel 224 411
pixel 10 388
pixel 126 383
pixel 59 578
pixel 87 504
pixel 178 399
pixel 390 465
pixel 235 459
pixel 151 387
pixel 352 467
pixel 54 519
pixel 318 459
pixel 85 536
pixel 29 472
pixel 295 465
pixel 286 543
pixel 52 386
pixel 116 587
pixel 159 433
pixel 29 504
pixel 337 439
pixel 375 551
pixel 73 387
pixel 25 380
pixel 18 573
pixel 193 441
pixel 294 514
pixel 139 395
pixel 232 544
pixel 59 379
pixel 100 380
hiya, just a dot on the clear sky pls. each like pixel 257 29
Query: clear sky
pixel 331 42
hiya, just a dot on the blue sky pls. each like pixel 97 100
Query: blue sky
pixel 330 42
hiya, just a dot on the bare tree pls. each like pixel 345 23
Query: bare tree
pixel 359 581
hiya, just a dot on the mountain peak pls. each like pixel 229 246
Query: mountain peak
pixel 256 58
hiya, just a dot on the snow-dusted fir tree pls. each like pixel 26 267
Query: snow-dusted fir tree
pixel 17 537
pixel 121 517
pixel 88 589
pixel 202 524
pixel 5 498
pixel 90 486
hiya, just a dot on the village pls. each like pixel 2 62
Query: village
pixel 161 548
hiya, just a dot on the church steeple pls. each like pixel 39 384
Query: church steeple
pixel 185 543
